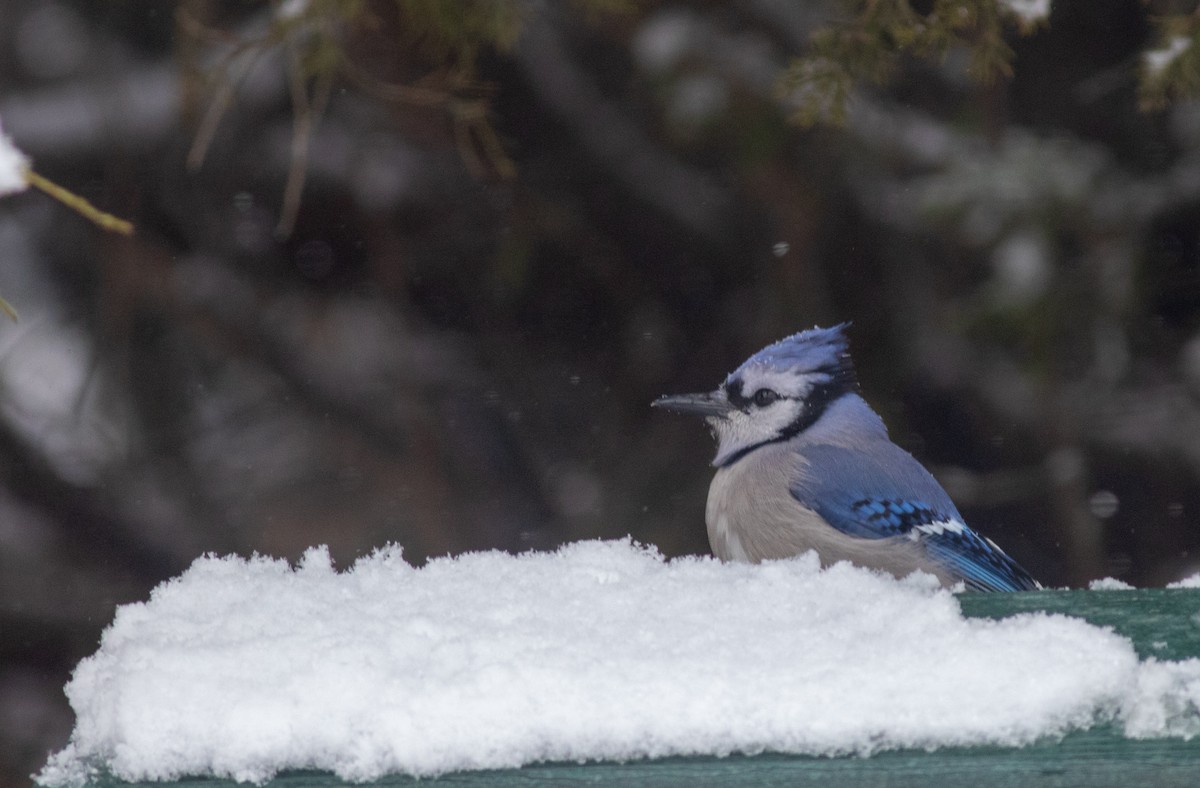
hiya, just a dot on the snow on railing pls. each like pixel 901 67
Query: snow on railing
pixel 243 668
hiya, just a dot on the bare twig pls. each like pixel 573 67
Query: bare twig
pixel 474 136
pixel 390 91
pixel 228 79
pixel 305 114
pixel 78 204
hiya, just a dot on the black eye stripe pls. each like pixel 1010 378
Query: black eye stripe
pixel 839 378
pixel 733 391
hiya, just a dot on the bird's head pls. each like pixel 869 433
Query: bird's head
pixel 775 394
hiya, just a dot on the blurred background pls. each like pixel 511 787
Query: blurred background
pixel 411 275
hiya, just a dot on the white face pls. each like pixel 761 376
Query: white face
pixel 763 407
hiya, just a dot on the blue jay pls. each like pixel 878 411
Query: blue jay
pixel 803 463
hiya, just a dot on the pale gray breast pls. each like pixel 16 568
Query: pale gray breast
pixel 752 516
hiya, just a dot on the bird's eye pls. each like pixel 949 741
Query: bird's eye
pixel 764 397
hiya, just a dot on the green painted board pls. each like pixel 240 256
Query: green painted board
pixel 1162 623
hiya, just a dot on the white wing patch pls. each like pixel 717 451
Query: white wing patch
pixel 937 529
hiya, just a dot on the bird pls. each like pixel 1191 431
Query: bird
pixel 804 463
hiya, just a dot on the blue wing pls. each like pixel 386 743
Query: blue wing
pixel 982 565
pixel 886 493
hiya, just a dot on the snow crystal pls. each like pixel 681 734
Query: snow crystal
pixel 241 668
pixel 13 165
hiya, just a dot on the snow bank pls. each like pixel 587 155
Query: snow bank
pixel 602 650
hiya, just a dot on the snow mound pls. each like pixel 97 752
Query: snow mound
pixel 1109 584
pixel 1191 581
pixel 602 650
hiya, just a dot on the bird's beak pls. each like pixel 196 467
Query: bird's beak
pixel 712 403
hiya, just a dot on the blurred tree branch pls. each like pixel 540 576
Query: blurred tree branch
pixel 317 38
pixel 1171 71
pixel 878 36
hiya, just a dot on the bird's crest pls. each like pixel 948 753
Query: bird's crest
pixel 818 350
